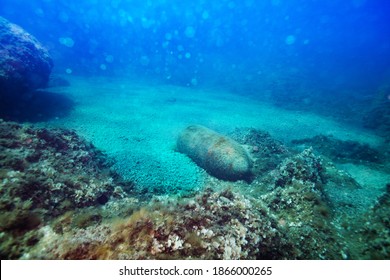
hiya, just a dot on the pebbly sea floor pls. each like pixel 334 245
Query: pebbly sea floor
pixel 138 124
pixel 320 191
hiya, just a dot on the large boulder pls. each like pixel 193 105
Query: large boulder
pixel 25 64
pixel 219 155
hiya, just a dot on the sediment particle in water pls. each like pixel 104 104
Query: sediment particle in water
pixel 219 155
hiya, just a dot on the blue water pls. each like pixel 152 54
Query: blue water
pixel 302 85
pixel 200 42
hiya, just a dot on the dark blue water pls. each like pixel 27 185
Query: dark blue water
pixel 242 68
pixel 342 42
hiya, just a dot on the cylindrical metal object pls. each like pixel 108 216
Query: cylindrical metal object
pixel 219 155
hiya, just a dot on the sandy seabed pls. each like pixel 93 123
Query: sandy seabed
pixel 137 123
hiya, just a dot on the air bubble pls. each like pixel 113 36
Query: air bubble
pixel 190 32
pixel 290 39
pixel 66 41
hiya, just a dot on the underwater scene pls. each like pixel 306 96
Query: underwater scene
pixel 177 129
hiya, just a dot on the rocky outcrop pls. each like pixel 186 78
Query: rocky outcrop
pixel 377 116
pixel 25 64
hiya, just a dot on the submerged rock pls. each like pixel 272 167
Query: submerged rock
pixel 210 225
pixel 219 155
pixel 266 152
pixel 25 64
pixel 45 174
pixel 54 170
pixel 378 114
pixel 342 151
pixel 304 167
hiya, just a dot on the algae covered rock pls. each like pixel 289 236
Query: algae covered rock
pixel 54 169
pixel 25 64
pixel 219 155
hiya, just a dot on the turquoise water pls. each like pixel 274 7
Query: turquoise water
pixel 91 161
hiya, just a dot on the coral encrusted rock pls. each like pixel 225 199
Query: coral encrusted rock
pixel 219 155
pixel 25 64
